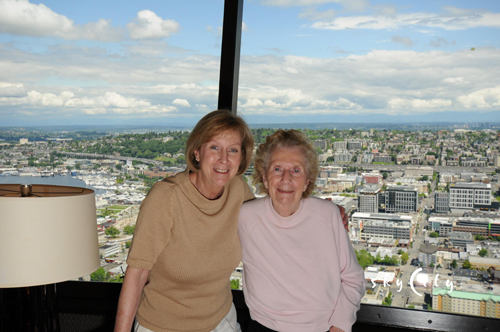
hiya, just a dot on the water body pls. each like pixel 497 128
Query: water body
pixel 58 180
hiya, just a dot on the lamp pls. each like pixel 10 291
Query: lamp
pixel 48 234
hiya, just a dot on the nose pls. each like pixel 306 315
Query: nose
pixel 223 156
pixel 286 176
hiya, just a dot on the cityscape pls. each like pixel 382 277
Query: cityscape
pixel 423 204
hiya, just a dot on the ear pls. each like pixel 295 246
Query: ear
pixel 264 180
pixel 197 155
pixel 306 185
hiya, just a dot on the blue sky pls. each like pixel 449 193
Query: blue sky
pixel 157 62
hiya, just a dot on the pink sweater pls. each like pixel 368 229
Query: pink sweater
pixel 300 272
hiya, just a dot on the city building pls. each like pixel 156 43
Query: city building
pixel 441 202
pixel 354 144
pixel 470 196
pixel 427 254
pixel 478 226
pixel 368 199
pixel 419 171
pixel 401 199
pixel 475 301
pixel 383 225
pixel 109 250
pixel 372 178
pixel 340 145
pixel 382 159
pixel 461 239
pixel 441 225
pixel 343 157
pixel 321 144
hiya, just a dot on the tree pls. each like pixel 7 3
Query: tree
pixel 434 234
pixel 112 231
pixel 483 252
pixel 129 229
pixel 235 284
pixel 454 264
pixel 466 265
pixel 404 258
pixel 388 299
pixel 99 275
pixel 364 258
pixel 431 265
pixel 127 244
pixel 384 175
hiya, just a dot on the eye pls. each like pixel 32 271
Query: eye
pixel 277 169
pixel 233 150
pixel 214 147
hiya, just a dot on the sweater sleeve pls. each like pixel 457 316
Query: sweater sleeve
pixel 352 278
pixel 153 227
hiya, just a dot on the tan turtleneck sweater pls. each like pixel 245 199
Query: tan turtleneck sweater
pixel 190 244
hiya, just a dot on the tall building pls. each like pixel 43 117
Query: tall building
pixel 321 143
pixel 474 301
pixel 401 199
pixel 441 202
pixel 470 196
pixel 368 199
pixel 383 225
pixel 354 144
pixel 340 145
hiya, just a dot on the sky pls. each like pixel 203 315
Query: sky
pixel 157 62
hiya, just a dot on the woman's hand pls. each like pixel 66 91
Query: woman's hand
pixel 335 329
pixel 345 217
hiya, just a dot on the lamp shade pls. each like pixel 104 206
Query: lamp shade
pixel 48 236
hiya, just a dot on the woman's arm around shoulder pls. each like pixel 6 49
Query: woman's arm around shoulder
pixel 130 295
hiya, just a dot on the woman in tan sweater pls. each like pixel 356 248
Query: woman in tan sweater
pixel 186 244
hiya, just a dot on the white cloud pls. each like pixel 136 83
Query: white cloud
pixel 181 102
pixel 12 89
pixel 349 5
pixel 148 25
pixel 417 104
pixel 484 98
pixel 20 17
pixel 453 20
pixel 454 80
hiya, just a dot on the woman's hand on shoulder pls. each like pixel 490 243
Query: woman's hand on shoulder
pixel 336 329
pixel 345 217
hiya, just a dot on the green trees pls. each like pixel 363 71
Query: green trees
pixel 129 229
pixel 434 234
pixel 466 265
pixel 404 258
pixel 388 299
pixel 101 275
pixel 483 252
pixel 235 284
pixel 454 264
pixel 364 258
pixel 112 231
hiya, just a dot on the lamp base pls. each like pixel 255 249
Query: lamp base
pixel 29 309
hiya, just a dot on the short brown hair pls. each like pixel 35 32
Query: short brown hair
pixel 213 124
pixel 286 139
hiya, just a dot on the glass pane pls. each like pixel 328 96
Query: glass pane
pixel 394 96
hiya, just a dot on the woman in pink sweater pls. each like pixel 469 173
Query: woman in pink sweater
pixel 300 270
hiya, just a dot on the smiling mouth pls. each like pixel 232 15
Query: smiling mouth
pixel 285 191
pixel 222 171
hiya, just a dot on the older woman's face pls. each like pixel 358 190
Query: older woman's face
pixel 219 161
pixel 286 179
